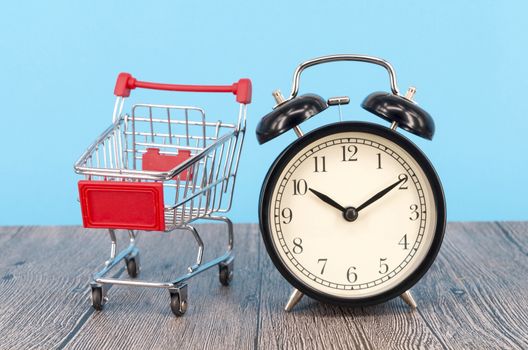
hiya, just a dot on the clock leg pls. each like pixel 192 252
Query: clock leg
pixel 295 297
pixel 409 300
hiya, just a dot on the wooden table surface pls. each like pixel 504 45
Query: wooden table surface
pixel 474 297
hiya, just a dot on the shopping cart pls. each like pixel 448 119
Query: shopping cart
pixel 160 168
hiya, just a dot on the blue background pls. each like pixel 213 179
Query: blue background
pixel 59 61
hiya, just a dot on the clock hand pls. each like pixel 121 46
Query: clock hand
pixel 379 195
pixel 327 200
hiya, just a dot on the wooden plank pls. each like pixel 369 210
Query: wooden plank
pixel 43 277
pixel 218 316
pixel 7 233
pixel 473 296
pixel 517 233
pixel 477 290
pixel 313 325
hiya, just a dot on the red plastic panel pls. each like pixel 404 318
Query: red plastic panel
pixel 125 205
pixel 154 161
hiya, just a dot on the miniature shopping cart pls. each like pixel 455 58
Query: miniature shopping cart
pixel 160 168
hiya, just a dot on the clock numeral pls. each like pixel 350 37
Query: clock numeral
pixel 379 161
pixel 300 187
pixel 320 166
pixel 349 153
pixel 404 243
pixel 297 247
pixel 324 264
pixel 414 212
pixel 351 274
pixel 403 177
pixel 287 215
pixel 383 267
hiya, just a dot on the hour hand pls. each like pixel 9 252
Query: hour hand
pixel 327 200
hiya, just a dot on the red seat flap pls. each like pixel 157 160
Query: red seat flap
pixel 154 161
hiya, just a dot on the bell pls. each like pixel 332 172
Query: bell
pixel 401 110
pixel 288 115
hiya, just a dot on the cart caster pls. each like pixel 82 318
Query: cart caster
pixel 132 265
pixel 226 271
pixel 178 301
pixel 98 298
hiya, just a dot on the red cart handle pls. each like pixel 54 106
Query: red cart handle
pixel 126 82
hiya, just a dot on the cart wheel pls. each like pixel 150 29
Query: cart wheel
pixel 132 265
pixel 178 301
pixel 178 305
pixel 97 298
pixel 226 272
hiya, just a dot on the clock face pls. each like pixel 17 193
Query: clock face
pixel 352 211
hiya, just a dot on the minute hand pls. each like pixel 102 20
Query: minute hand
pixel 379 195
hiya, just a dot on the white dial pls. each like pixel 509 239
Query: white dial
pixel 352 215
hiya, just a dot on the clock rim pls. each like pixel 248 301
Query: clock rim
pixel 352 126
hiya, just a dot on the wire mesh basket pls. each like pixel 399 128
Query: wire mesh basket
pixel 159 168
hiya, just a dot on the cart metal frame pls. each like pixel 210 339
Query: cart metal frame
pixel 199 187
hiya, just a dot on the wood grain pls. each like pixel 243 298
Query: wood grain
pixel 474 296
pixel 7 233
pixel 477 290
pixel 218 316
pixel 43 278
pixel 517 233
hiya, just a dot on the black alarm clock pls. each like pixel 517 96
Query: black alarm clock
pixel 351 213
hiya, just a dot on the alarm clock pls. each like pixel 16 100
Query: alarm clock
pixel 351 213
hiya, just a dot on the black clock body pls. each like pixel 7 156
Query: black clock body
pixel 272 180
